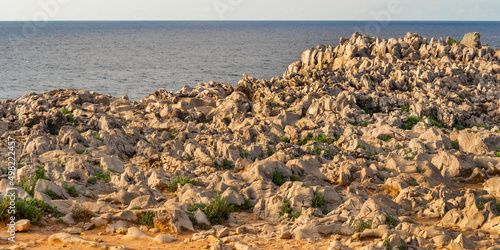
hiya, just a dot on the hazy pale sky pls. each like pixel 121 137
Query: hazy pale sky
pixel 42 10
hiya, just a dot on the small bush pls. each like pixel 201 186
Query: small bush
pixel 285 139
pixel 81 214
pixel 245 206
pixel 497 205
pixel 278 179
pixel 413 183
pixel 135 208
pixel 173 137
pixel 91 180
pixel 323 139
pixel 286 208
pixel 294 178
pixel 195 207
pixel 387 244
pixel 243 153
pixel 318 200
pixel 71 190
pixel 405 108
pixel 218 210
pixel 452 41
pixel 480 205
pixel 270 153
pixel 412 120
pixel 66 111
pixel 296 214
pixel 104 176
pixel 182 180
pixel 390 220
pixel 361 226
pixel 227 164
pixel 52 195
pixel 497 152
pixel 82 152
pixel 386 138
pixel 454 145
pixel 98 137
pixel 434 121
pixel 30 188
pixel 147 218
pixel 227 121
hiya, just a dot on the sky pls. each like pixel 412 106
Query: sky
pixel 386 10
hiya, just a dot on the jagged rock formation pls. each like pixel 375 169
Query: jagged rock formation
pixel 393 139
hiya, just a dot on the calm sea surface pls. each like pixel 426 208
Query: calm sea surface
pixel 137 58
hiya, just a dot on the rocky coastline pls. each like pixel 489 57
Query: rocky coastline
pixel 372 144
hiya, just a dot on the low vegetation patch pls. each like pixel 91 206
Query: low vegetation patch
pixel 386 138
pixel 71 190
pixel 98 137
pixel 31 209
pixel 455 145
pixel 30 188
pixel 180 180
pixel 286 208
pixel 318 200
pixel 104 176
pixel 362 226
pixel 81 214
pixel 391 221
pixel 278 179
pixel 217 210
pixel 412 120
pixel 147 218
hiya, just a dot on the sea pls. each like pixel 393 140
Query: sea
pixel 136 58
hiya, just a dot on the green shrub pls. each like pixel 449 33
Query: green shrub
pixel 147 218
pixel 405 108
pixel 387 244
pixel 412 183
pixel 71 190
pixel 454 145
pixel 195 207
pixel 245 206
pixel 286 208
pixel 278 179
pixel 386 138
pixel 173 137
pixel 81 214
pixel 497 205
pixel 285 139
pixel 497 152
pixel 227 164
pixel 243 153
pixel 296 214
pixel 98 137
pixel 323 139
pixel 104 176
pixel 227 121
pixel 452 41
pixel 294 178
pixel 135 208
pixel 390 220
pixel 367 111
pixel 30 188
pixel 66 111
pixel 82 152
pixel 91 180
pixel 318 200
pixel 191 217
pixel 480 205
pixel 412 120
pixel 434 121
pixel 218 210
pixel 52 195
pixel 362 225
pixel 270 153
pixel 182 180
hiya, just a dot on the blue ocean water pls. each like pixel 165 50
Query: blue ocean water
pixel 137 58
